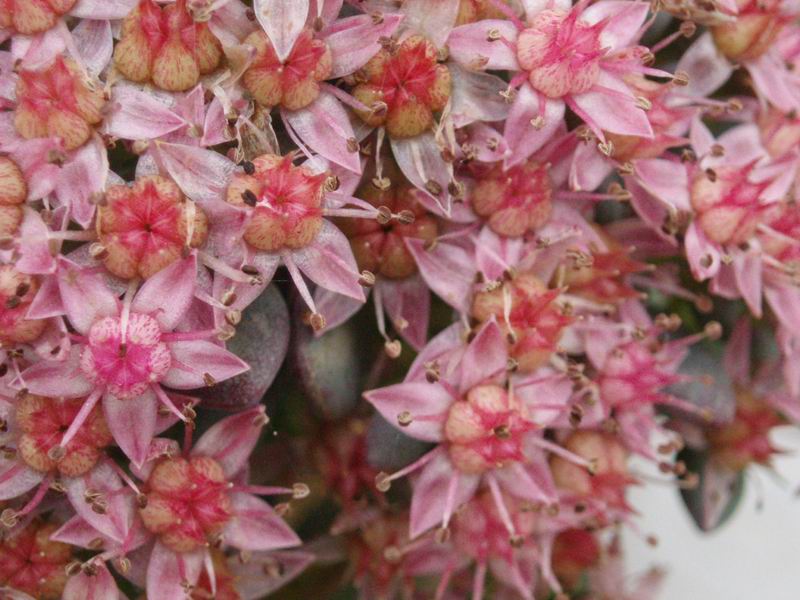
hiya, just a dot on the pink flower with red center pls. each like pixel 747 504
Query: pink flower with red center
pixel 484 421
pixel 166 46
pixel 564 55
pixel 514 201
pixel 145 227
pixel 198 499
pixel 403 88
pixel 32 563
pixel 57 102
pixel 124 352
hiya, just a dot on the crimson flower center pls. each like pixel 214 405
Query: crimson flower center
pixel 485 430
pixel 125 360
pixel 560 53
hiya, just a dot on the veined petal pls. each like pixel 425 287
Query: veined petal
pixel 422 400
pixel 485 357
pixel 354 40
pixel 283 21
pixel 448 270
pixel 522 137
pixel 85 295
pixel 166 295
pixel 472 45
pixel 168 572
pixel 58 378
pixel 137 115
pixel 132 423
pixel 256 526
pixel 193 362
pixel 231 440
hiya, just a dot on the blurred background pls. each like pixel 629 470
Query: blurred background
pixel 754 555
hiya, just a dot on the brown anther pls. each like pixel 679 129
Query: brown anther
pixel 89 568
pixel 433 187
pixel 688 28
pixel 377 18
pixel 353 145
pixel 9 518
pixel 405 217
pixel 404 419
pixel 606 148
pixel 625 168
pixel 447 155
pixel 713 330
pixel 250 270
pixel 382 482
pixel 382 183
pixel 57 453
pixel 502 432
pixel 367 278
pixel 681 78
pixel 260 420
pixel 704 304
pixel 331 183
pixel 123 564
pixel 537 122
pixel 318 24
pixel 735 105
pixel 580 507
pixel 512 364
pixel 493 35
pixel 643 103
pixel 249 168
pixel 392 554
pixel 300 491
pixel 652 540
pixel 22 289
pixel 393 348
pixel 209 380
pixel 316 321
pixel 100 506
pixel 249 198
pixel 717 150
pixel 456 190
pixel 516 541
pixel 283 509
pixel 233 317
pixel 576 415
pixel 73 568
pixel 442 535
pixel 98 251
pixel 384 215
pixel 592 466
pixel 228 298
pixel 141 500
pixel 432 372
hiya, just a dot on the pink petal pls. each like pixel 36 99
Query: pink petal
pixel 167 294
pixel 85 295
pixel 447 269
pixel 36 254
pixel 103 9
pixel 256 526
pixel 325 127
pixel 747 270
pixel 431 490
pixel 613 112
pixel 488 143
pixel 531 481
pixel 99 586
pixel 408 301
pixel 703 256
pixel 202 174
pixel 283 21
pixel 495 255
pixel 476 97
pixel 336 309
pixel 255 581
pixel 737 351
pixel 117 521
pixel 534 7
pixel 82 179
pixel 623 21
pixel 132 423
pixel 420 399
pixel 47 302
pixel 231 440
pixel 706 67
pixel 668 180
pixel 784 300
pixel 16 478
pixel 329 262
pixel 588 168
pixel 138 115
pixel 486 356
pixel 95 44
pixel 58 378
pixel 433 19
pixel 521 136
pixel 230 23
pixel 354 40
pixel 471 45
pixel 444 342
pixel 775 82
pixel 193 361
pixel 420 159
pixel 76 532
pixel 167 572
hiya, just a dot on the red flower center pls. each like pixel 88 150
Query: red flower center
pixel 43 422
pixel 125 362
pixel 283 203
pixel 485 430
pixel 30 17
pixel 144 228
pixel 187 502
pixel 560 53
pixel 31 563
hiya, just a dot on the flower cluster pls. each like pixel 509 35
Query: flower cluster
pixel 560 212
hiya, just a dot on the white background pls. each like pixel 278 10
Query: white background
pixel 754 556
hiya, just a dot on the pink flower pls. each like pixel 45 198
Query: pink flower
pixel 124 352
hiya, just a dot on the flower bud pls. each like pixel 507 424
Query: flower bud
pixel 16 294
pixel 29 17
